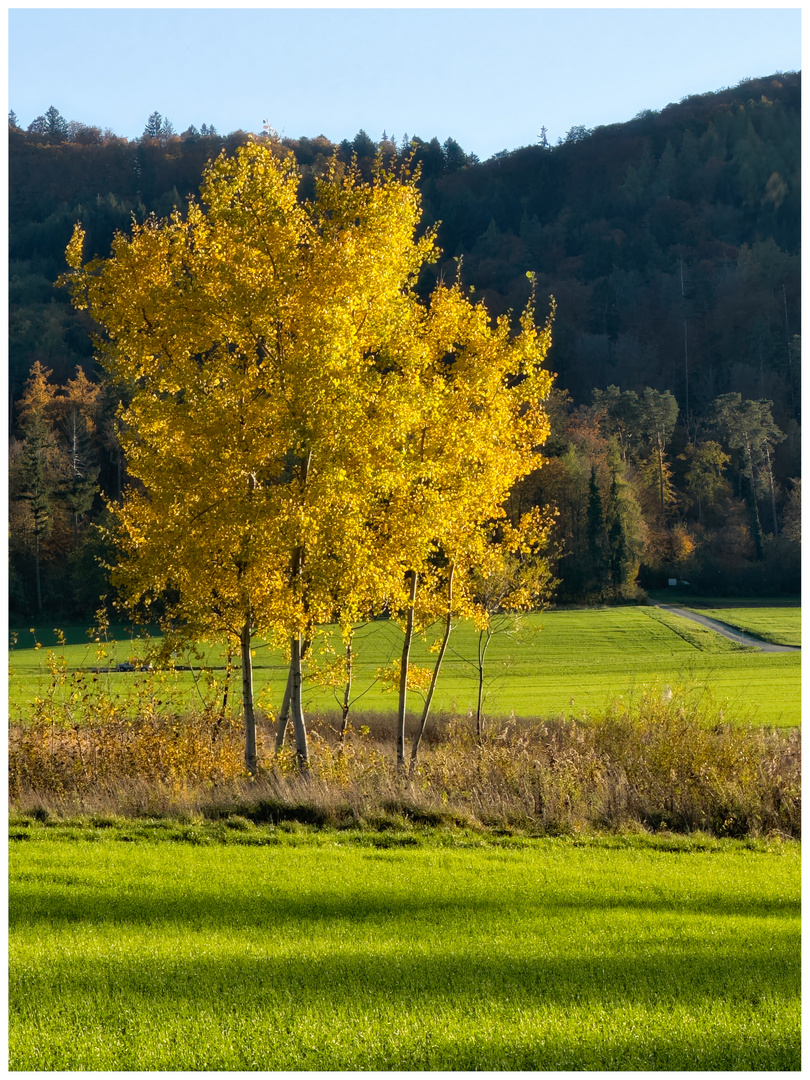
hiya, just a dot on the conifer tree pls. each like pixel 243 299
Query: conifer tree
pixel 596 531
pixel 37 470
pixel 36 490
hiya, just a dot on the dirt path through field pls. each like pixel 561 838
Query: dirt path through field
pixel 730 632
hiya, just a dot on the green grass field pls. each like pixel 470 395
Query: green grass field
pixel 560 662
pixel 413 951
pixel 781 625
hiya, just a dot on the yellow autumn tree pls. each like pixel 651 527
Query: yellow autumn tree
pixel 478 431
pixel 260 336
pixel 290 430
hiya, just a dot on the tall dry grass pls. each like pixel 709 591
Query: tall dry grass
pixel 662 762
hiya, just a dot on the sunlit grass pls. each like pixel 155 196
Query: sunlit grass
pixel 558 662
pixel 320 953
pixel 781 625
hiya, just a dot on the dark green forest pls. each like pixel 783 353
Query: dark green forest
pixel 671 243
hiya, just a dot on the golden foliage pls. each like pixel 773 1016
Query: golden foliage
pixel 301 430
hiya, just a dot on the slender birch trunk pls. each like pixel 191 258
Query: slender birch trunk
pixel 284 714
pixel 296 650
pixel 347 690
pixel 484 638
pixel 403 674
pixel 224 706
pixel 247 699
pixel 448 626
pixel 296 708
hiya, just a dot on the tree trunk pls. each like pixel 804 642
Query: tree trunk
pixel 773 493
pixel 753 485
pixel 284 713
pixel 247 699
pixel 224 706
pixel 789 356
pixel 483 645
pixel 36 570
pixel 756 524
pixel 448 626
pixel 403 675
pixel 296 707
pixel 347 691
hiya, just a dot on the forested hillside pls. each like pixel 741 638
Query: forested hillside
pixel 671 245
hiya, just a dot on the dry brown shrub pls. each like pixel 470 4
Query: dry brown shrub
pixel 661 764
pixel 175 752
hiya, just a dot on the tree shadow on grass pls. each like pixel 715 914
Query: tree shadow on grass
pixel 401 963
pixel 64 897
pixel 665 973
pixel 301 994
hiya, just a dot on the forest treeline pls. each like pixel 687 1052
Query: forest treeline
pixel 671 245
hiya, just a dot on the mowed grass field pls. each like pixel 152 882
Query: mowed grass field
pixel 323 951
pixel 558 662
pixel 782 626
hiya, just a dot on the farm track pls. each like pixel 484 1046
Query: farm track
pixel 730 632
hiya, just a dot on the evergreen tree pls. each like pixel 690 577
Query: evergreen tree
pixel 704 478
pixel 35 488
pixel 55 124
pixel 658 413
pixel 454 157
pixel 625 535
pixel 596 531
pixel 748 427
pixel 154 126
pixel 363 145
pixel 38 126
pixel 79 488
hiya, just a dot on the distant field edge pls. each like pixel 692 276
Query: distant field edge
pixel 691 599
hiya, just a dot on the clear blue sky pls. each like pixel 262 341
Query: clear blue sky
pixel 488 77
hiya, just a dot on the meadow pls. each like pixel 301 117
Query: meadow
pixel 781 625
pixel 608 883
pixel 248 947
pixel 561 662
